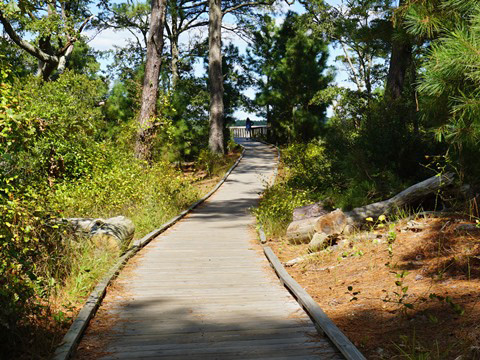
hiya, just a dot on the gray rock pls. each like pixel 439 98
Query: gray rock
pixel 116 232
pixel 308 211
pixel 319 241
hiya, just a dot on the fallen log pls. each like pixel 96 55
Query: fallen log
pixel 114 233
pixel 337 221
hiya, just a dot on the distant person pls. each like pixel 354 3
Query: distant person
pixel 248 127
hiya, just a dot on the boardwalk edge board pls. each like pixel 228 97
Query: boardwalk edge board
pixel 70 341
pixel 321 321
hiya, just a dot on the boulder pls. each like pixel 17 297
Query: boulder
pixel 309 211
pixel 319 242
pixel 114 233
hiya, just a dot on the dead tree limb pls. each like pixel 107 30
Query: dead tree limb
pixel 301 231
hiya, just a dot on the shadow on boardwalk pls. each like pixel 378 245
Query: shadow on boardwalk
pixel 202 290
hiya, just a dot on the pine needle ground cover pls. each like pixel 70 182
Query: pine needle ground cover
pixel 413 298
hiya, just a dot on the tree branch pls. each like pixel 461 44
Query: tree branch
pixel 199 24
pixel 354 73
pixel 85 22
pixel 238 31
pixel 205 3
pixel 189 24
pixel 169 32
pixel 25 45
pixel 247 4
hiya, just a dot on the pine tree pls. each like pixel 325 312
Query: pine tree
pixel 450 83
pixel 294 72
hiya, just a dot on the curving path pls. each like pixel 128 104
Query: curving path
pixel 203 289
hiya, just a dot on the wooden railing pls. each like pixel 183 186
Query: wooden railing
pixel 256 131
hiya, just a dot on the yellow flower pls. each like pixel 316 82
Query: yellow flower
pixel 369 219
pixel 382 218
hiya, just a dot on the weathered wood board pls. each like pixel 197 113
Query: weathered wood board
pixel 203 289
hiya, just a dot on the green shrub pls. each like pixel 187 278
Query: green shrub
pixel 47 133
pixel 307 177
pixel 149 195
pixel 57 162
pixel 51 131
pixel 276 207
pixel 308 166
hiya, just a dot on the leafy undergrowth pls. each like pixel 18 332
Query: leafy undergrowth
pixel 150 196
pixel 405 292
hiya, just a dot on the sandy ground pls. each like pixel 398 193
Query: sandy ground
pixel 421 297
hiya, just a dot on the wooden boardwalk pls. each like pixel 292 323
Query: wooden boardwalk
pixel 204 290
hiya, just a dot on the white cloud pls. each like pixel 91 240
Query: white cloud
pixel 106 39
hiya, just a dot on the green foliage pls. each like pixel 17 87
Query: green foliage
pixel 120 105
pixel 52 133
pixel 21 63
pixel 149 195
pixel 456 308
pixel 291 61
pixel 307 175
pixel 84 60
pixel 276 206
pixel 235 82
pixel 57 161
pixel 308 165
pixel 27 240
pixel 189 119
pixel 450 86
pixel 376 148
pixel 52 28
pixel 208 161
pixel 400 295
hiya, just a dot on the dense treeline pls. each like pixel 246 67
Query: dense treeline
pixel 76 141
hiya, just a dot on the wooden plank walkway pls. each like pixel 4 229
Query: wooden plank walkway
pixel 204 290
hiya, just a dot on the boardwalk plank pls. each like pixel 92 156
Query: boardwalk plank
pixel 203 290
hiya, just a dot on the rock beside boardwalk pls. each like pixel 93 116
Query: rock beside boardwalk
pixel 309 211
pixel 114 233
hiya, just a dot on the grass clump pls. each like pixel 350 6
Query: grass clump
pixel 304 173
pixel 148 195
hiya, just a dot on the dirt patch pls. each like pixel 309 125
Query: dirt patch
pixel 400 292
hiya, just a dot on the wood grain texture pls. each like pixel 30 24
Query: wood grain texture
pixel 321 319
pixel 217 298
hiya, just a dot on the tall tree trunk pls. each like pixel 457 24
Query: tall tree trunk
pixel 175 55
pixel 174 52
pixel 400 60
pixel 215 141
pixel 148 109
